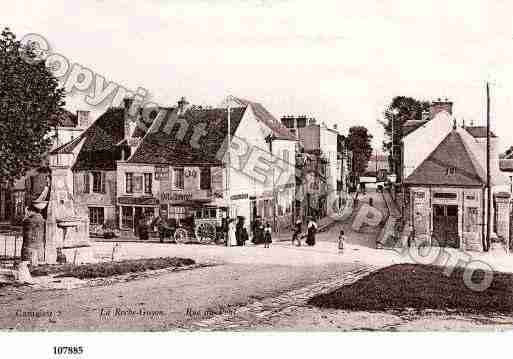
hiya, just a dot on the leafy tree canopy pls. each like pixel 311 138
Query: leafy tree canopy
pixel 359 142
pixel 30 99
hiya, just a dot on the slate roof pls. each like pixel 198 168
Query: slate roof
pixel 452 152
pixel 99 150
pixel 478 131
pixel 160 147
pixel 264 116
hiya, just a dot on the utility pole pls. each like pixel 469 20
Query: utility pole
pixel 488 185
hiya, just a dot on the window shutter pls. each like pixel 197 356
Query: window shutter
pixel 87 187
pixel 104 180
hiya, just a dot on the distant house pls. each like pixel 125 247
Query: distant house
pixel 378 165
pixel 323 159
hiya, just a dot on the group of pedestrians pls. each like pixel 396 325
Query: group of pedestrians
pixel 237 233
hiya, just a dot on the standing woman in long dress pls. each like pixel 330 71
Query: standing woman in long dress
pixel 311 230
pixel 232 239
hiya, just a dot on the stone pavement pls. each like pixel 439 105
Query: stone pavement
pixel 261 312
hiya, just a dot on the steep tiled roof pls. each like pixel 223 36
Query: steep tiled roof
pixel 160 147
pixel 264 116
pixel 451 153
pixel 478 131
pixel 99 150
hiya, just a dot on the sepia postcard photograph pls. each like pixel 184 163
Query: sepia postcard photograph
pixel 223 167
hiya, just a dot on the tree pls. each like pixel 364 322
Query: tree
pixel 359 142
pixel 30 99
pixel 400 110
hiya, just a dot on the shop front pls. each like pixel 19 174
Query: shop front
pixel 132 210
pixel 448 216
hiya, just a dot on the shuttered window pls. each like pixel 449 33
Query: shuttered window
pixel 87 188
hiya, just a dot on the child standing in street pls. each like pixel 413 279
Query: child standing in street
pixel 341 240
pixel 267 235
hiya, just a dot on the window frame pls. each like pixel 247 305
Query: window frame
pixel 148 183
pixel 98 186
pixel 94 218
pixel 180 178
pixel 204 172
pixel 129 182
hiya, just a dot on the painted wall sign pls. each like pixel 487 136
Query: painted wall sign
pixel 189 172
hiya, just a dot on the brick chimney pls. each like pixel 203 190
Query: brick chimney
pixel 439 106
pixel 84 119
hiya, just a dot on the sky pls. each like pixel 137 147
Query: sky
pixel 340 62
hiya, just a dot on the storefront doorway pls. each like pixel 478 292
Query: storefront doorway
pixel 445 225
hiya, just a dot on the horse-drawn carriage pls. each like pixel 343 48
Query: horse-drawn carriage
pixel 202 225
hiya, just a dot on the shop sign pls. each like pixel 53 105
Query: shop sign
pixel 138 201
pixel 239 196
pixel 176 196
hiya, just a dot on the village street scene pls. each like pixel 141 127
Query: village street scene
pixel 240 197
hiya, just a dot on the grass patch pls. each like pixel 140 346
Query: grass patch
pixel 108 269
pixel 421 287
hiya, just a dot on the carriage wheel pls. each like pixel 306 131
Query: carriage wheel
pixel 206 233
pixel 181 235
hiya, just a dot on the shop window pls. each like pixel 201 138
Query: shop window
pixel 96 215
pixel 127 217
pixel 149 212
pixel 163 211
pixel 205 178
pixel 452 211
pixel 98 182
pixel 148 179
pixel 178 178
pixel 176 212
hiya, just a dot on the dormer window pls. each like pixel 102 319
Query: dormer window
pixel 451 171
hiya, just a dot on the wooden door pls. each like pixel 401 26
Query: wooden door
pixel 445 225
